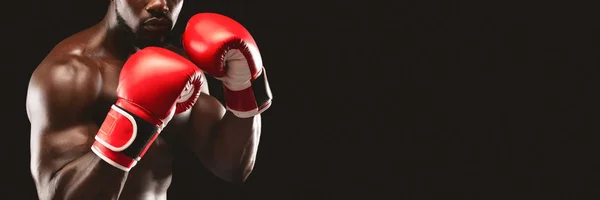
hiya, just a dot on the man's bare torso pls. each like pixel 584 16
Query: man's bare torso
pixel 151 177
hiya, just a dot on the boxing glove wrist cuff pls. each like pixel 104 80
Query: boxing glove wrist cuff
pixel 250 101
pixel 123 138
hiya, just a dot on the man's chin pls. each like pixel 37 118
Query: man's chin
pixel 147 43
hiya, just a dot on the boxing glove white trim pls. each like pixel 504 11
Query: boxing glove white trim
pixel 187 92
pixel 113 163
pixel 131 139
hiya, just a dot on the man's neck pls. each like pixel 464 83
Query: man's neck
pixel 118 40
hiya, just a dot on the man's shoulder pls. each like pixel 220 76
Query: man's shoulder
pixel 67 74
pixel 64 65
pixel 71 52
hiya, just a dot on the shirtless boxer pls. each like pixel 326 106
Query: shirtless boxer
pixel 108 103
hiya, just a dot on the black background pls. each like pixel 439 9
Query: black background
pixel 415 99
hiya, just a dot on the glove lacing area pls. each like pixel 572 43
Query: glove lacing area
pixel 190 94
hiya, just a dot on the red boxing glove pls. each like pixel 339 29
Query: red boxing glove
pixel 153 84
pixel 224 49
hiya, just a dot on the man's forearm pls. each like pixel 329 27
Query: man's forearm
pixel 234 146
pixel 87 177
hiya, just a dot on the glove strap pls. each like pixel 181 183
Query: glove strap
pixel 124 138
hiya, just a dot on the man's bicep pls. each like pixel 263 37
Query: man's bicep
pixel 57 138
pixel 57 100
pixel 53 149
pixel 204 117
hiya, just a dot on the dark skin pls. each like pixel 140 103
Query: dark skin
pixel 72 89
